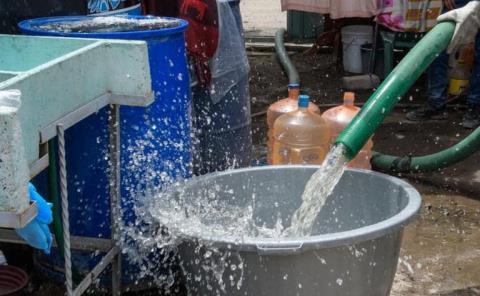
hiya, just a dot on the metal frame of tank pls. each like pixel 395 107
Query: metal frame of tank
pixel 63 81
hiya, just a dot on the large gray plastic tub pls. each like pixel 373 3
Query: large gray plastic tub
pixel 354 249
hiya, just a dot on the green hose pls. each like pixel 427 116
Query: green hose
pixel 431 162
pixel 292 73
pixel 389 93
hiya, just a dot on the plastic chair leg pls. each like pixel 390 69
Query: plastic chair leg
pixel 388 43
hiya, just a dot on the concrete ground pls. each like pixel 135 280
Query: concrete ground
pixel 440 251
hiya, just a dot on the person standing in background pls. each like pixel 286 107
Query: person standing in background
pixel 467 16
pixel 220 91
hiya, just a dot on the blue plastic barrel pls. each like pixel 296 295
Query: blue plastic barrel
pixel 155 142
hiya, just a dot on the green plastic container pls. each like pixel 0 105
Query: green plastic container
pixel 304 25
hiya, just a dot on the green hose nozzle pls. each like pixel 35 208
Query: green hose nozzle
pixel 389 93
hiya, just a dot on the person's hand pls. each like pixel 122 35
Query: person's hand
pixel 467 21
pixel 36 233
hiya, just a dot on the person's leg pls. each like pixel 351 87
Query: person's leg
pixel 471 118
pixel 437 83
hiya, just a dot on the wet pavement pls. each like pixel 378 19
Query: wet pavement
pixel 441 250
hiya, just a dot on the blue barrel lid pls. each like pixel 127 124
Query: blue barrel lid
pixel 303 101
pixel 46 27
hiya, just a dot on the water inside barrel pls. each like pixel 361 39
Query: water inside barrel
pixel 109 24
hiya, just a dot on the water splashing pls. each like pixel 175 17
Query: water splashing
pixel 179 218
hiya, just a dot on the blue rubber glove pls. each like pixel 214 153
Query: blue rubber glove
pixel 36 233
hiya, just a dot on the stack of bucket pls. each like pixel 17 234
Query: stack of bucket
pixel 353 37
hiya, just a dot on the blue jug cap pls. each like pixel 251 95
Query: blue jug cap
pixel 303 101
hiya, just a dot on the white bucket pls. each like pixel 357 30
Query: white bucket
pixel 353 37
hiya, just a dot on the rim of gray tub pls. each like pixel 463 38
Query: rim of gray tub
pixel 285 246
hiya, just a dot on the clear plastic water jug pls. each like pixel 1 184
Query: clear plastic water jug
pixel 338 118
pixel 281 107
pixel 301 136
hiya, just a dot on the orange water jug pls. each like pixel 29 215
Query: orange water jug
pixel 300 136
pixel 281 107
pixel 338 118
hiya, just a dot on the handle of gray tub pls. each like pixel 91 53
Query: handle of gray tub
pixel 279 249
